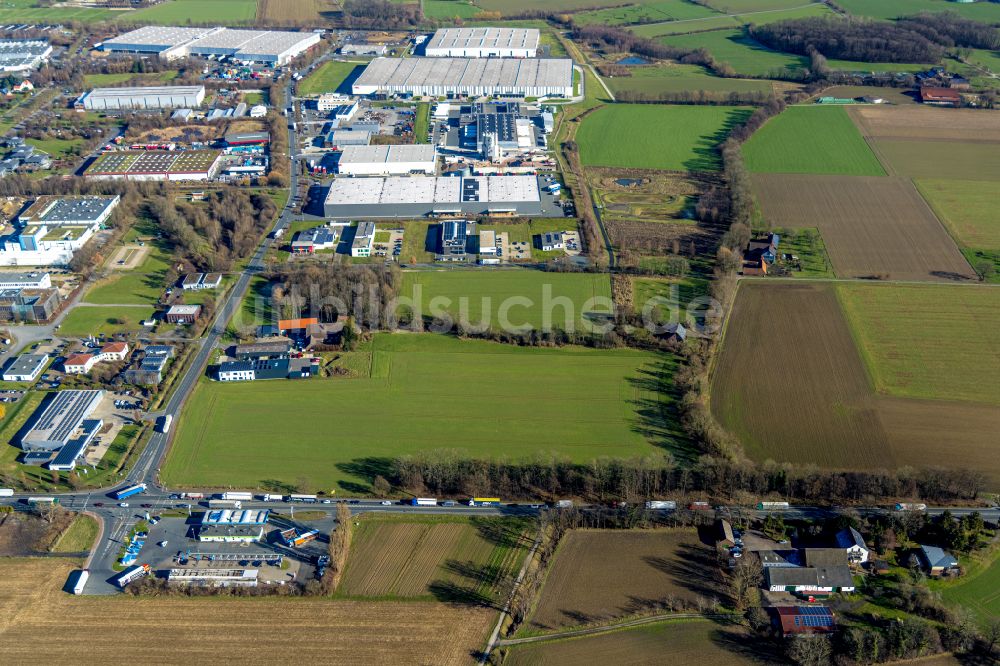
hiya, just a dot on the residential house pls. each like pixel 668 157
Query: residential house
pixel 936 561
pixel 779 558
pixel 675 332
pixel 760 255
pixel 267 368
pixel 791 620
pixel 854 544
pixel 113 351
pixel 809 580
pixel 724 534
pixel 824 557
pixel 79 364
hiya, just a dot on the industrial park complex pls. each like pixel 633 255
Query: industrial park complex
pixel 467 77
pixel 484 43
pixel 272 47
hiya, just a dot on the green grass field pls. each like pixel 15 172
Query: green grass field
pixel 420 393
pixel 479 297
pixel 648 12
pixel 668 78
pixel 326 78
pixel 979 592
pixel 28 11
pixel 988 59
pixel 927 341
pixel 968 208
pixel 684 291
pixel 744 6
pixel 142 286
pixel 181 12
pixel 743 54
pixel 86 320
pixel 820 140
pixel 58 148
pixel 680 138
pixel 78 537
pixel 987 12
pixel 447 9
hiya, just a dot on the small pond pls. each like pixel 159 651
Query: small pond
pixel 634 60
pixel 629 182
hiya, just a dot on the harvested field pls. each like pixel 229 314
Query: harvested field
pixel 291 12
pixel 33 604
pixel 871 226
pixel 939 159
pixel 926 123
pixel 433 558
pixel 658 237
pixel 813 402
pixel 686 642
pixel 597 575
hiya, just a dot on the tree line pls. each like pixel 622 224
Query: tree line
pixel 850 39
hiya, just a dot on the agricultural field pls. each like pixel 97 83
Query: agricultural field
pixel 519 6
pixel 29 11
pixel 967 207
pixel 813 401
pixel 988 59
pixel 292 12
pixel 447 9
pixel 699 25
pixel 748 6
pixel 653 80
pixel 811 139
pixel 686 642
pixel 198 12
pixel 366 632
pixel 919 122
pixel 394 406
pixel 940 159
pixel 84 320
pixel 889 9
pixel 599 575
pixel 978 591
pixel 434 557
pixel 899 331
pixel 746 56
pixel 328 77
pixel 647 12
pixel 485 293
pixel 625 135
pixel 871 226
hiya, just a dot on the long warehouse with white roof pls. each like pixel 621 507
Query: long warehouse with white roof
pixel 150 97
pixel 467 77
pixel 272 47
pixel 387 160
pixel 484 43
pixel 402 197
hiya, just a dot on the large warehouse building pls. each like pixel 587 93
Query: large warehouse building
pixel 155 165
pixel 467 77
pixel 484 43
pixel 151 97
pixel 20 55
pixel 270 47
pixel 58 423
pixel 387 160
pixel 402 197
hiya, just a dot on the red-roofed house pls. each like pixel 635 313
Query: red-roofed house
pixel 79 364
pixel 793 620
pixel 113 351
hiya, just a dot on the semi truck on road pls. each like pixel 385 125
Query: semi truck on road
pixel 125 493
pixel 423 501
pixel 243 497
pixel 6 492
pixel 661 505
pixel 911 506
pixel 272 498
pixel 131 574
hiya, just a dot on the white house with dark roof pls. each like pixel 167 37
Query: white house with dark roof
pixel 852 541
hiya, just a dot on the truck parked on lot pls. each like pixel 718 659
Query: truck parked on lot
pixel 131 574
pixel 293 538
pixel 244 497
pixel 224 504
pixel 911 506
pixel 268 497
pixel 423 501
pixel 79 580
pixel 661 505
pixel 125 493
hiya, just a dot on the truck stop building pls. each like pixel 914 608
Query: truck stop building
pixel 467 77
pixel 218 532
pixel 213 577
pixel 269 47
pixel 401 197
pixel 149 97
pixel 484 43
pixel 387 160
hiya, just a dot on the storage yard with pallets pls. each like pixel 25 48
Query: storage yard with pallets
pixel 443 558
pixel 598 575
pixel 813 400
pixel 366 632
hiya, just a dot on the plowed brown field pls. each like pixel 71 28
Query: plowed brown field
pixel 924 122
pixel 603 574
pixel 871 226
pixel 183 631
pixel 790 383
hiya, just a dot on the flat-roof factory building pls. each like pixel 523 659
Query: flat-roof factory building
pixel 61 418
pixel 402 197
pixel 155 165
pixel 20 55
pixel 149 97
pixel 387 160
pixel 484 43
pixel 52 228
pixel 271 47
pixel 467 77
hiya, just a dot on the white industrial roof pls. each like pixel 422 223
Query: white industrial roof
pixel 481 72
pixel 377 154
pixel 211 40
pixel 439 190
pixel 156 35
pixel 155 91
pixel 464 38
